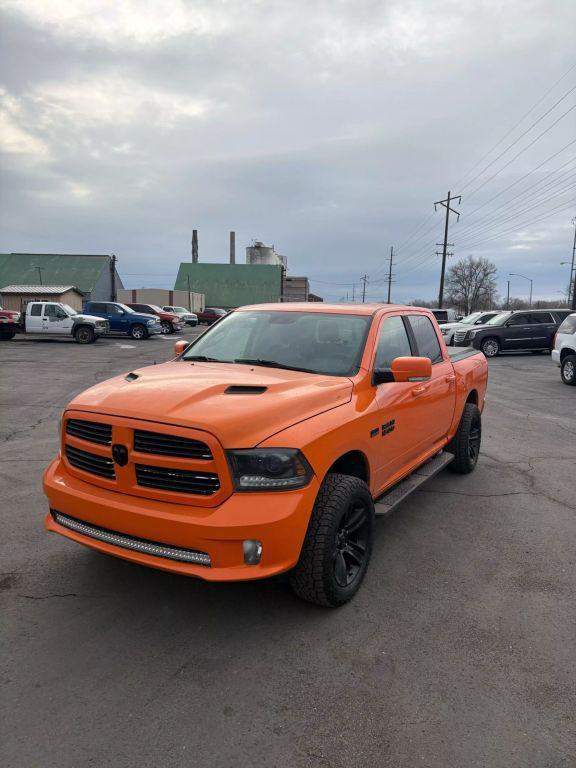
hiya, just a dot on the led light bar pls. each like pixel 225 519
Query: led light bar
pixel 134 544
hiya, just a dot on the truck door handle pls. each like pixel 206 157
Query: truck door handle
pixel 419 391
pixel 450 378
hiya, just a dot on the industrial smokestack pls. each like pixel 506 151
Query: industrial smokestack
pixel 194 246
pixel 232 247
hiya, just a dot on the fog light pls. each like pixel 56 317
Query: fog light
pixel 252 551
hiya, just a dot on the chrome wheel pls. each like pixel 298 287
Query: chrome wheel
pixel 490 347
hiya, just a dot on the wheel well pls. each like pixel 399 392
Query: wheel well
pixel 353 463
pixel 472 397
pixel 565 352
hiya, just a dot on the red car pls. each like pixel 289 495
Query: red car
pixel 169 321
pixel 210 314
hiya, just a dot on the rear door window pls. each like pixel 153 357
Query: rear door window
pixel 541 317
pixel 98 307
pixel 569 325
pixel 520 319
pixel 393 342
pixel 426 339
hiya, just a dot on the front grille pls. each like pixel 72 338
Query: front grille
pixel 131 542
pixel 170 445
pixel 92 431
pixel 460 335
pixel 179 480
pixel 90 462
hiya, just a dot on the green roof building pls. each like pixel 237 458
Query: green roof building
pixel 231 285
pixel 91 274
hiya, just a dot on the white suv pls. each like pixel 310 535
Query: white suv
pixel 564 352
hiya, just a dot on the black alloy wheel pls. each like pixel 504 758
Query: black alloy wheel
pixel 351 543
pixel 338 542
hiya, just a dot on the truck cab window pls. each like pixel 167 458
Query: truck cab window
pixel 426 339
pixel 36 310
pixel 393 342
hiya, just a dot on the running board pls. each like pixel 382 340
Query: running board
pixel 386 503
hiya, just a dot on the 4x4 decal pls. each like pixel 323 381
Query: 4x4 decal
pixel 390 426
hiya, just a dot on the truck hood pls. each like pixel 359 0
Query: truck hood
pixel 88 318
pixel 194 395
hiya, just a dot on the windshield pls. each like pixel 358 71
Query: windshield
pixel 70 310
pixel 126 309
pixel 180 310
pixel 499 319
pixel 155 308
pixel 317 342
pixel 471 319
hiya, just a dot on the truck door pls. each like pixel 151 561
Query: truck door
pixel 543 329
pixel 115 317
pixel 517 332
pixel 56 320
pixel 34 318
pixel 396 442
pixel 433 401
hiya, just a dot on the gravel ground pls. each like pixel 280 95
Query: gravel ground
pixel 458 651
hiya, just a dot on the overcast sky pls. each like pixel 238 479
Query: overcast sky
pixel 328 128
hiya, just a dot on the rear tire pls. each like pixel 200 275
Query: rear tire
pixel 465 445
pixel 338 543
pixel 568 370
pixel 490 347
pixel 84 335
pixel 138 332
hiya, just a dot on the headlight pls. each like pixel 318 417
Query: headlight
pixel 471 334
pixel 269 469
pixel 150 322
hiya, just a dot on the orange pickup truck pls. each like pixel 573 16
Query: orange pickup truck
pixel 269 444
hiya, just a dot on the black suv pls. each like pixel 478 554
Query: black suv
pixel 531 330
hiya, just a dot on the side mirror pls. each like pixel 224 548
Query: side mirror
pixel 403 369
pixel 180 346
pixel 411 368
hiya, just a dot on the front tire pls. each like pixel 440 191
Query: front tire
pixel 84 335
pixel 138 332
pixel 465 445
pixel 166 327
pixel 568 370
pixel 338 543
pixel 490 347
pixel 7 335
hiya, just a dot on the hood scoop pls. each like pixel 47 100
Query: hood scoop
pixel 244 389
pixel 131 376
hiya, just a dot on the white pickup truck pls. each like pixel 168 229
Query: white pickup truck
pixel 50 318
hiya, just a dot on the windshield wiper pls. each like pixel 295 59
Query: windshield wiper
pixel 271 364
pixel 204 359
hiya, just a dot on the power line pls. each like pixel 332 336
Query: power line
pixel 517 155
pixel 534 124
pixel 532 108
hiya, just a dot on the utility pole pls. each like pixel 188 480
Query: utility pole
pixel 364 279
pixel 353 293
pixel 113 261
pixel 390 273
pixel 189 294
pixel 508 296
pixel 40 274
pixel 572 274
pixel 445 244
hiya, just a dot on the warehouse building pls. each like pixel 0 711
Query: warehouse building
pixel 231 285
pixel 94 275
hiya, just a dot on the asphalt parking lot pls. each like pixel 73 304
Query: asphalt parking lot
pixel 458 651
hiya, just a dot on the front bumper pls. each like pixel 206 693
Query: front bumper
pixel 556 356
pixel 278 519
pixel 154 330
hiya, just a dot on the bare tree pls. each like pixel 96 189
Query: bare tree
pixel 471 283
